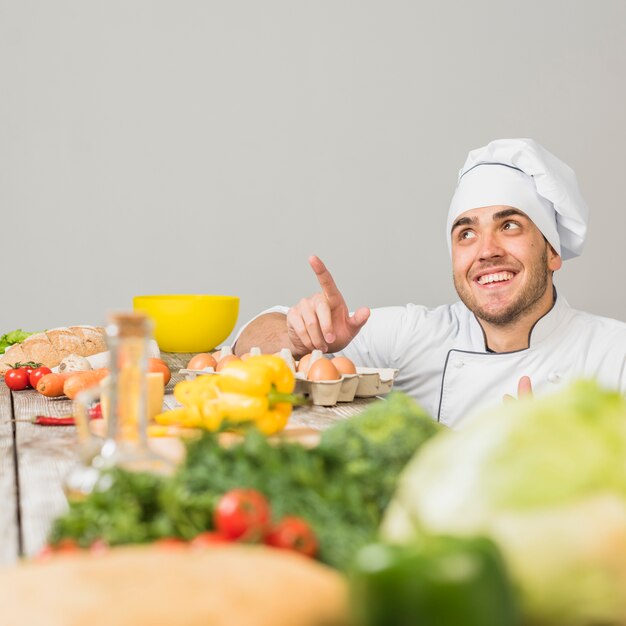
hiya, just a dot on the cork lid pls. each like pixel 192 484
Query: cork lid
pixel 129 324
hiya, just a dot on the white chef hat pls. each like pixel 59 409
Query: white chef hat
pixel 522 174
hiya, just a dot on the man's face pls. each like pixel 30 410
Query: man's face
pixel 502 264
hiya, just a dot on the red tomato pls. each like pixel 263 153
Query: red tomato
pixel 293 533
pixel 29 367
pixel 99 547
pixel 242 514
pixel 16 379
pixel 66 546
pixel 207 539
pixel 36 374
pixel 45 554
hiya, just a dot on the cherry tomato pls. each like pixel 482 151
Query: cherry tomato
pixel 98 547
pixel 16 379
pixel 293 533
pixel 66 546
pixel 45 554
pixel 207 539
pixel 36 374
pixel 242 514
pixel 30 367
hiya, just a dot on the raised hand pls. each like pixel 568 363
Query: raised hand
pixel 323 321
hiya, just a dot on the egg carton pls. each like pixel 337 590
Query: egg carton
pixel 368 382
pixel 375 381
pixel 193 374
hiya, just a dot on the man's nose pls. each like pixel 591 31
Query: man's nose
pixel 490 246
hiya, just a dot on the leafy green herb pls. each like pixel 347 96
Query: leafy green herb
pixel 374 446
pixel 127 511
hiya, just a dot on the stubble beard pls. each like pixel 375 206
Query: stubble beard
pixel 532 293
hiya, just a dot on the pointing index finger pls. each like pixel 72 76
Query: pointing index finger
pixel 326 281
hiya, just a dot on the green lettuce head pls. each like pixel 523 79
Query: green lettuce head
pixel 546 480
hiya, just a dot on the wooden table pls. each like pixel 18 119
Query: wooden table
pixel 35 459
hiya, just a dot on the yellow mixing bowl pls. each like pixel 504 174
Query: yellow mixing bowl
pixel 189 323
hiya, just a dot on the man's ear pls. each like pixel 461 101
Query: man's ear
pixel 554 259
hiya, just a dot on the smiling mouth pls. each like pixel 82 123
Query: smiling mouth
pixel 496 277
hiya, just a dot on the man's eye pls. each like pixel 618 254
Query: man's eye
pixel 467 234
pixel 510 225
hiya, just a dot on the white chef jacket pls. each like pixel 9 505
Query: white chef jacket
pixel 443 363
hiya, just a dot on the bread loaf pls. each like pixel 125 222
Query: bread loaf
pixel 51 347
pixel 229 585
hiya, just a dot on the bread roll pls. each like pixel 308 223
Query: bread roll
pixel 226 585
pixel 51 347
pixel 93 339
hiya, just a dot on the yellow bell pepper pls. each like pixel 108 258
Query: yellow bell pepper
pixel 257 375
pixel 275 419
pixel 258 390
pixel 283 379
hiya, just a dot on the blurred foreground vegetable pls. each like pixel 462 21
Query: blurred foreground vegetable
pixel 443 581
pixel 374 447
pixel 546 480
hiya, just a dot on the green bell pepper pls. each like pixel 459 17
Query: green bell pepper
pixel 440 581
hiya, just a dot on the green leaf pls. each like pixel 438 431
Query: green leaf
pixel 15 336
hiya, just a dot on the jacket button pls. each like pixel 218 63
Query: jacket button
pixel 554 377
pixel 458 364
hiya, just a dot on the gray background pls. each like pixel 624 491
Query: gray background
pixel 209 147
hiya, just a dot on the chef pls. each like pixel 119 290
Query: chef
pixel 516 215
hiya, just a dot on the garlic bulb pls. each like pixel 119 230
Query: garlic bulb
pixel 74 363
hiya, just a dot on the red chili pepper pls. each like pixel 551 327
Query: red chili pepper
pixel 95 412
pixel 46 420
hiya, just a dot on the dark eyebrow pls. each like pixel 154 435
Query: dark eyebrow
pixel 501 215
pixel 464 221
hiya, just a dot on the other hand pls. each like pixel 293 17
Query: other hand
pixel 323 322
pixel 524 389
